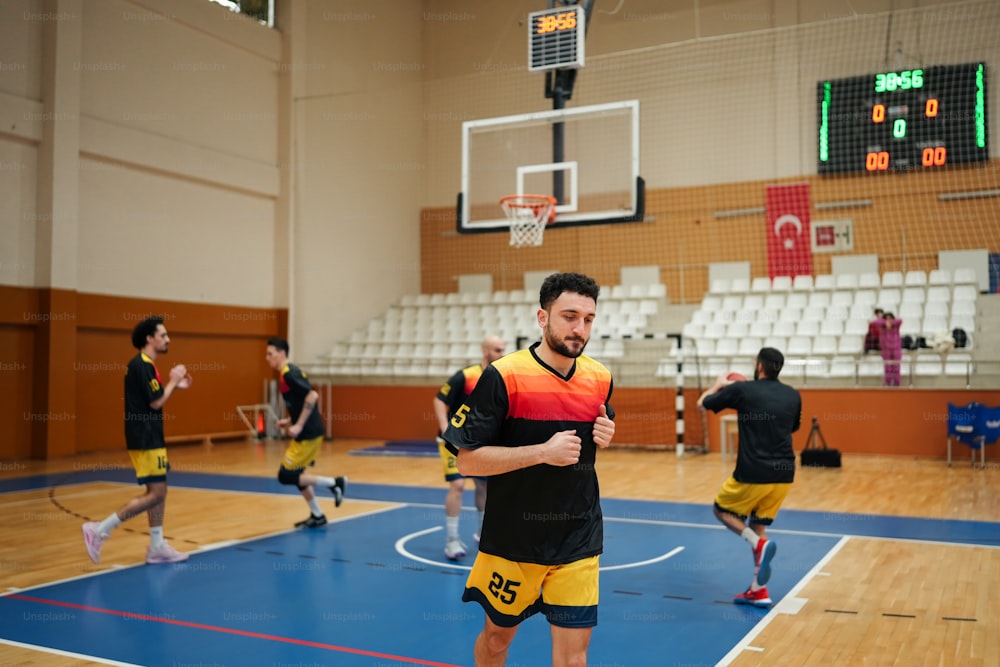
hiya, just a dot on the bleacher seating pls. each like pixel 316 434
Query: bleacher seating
pixel 820 322
pixel 434 334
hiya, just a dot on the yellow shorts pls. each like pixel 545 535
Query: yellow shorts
pixel 450 462
pixel 510 592
pixel 302 454
pixel 760 502
pixel 150 465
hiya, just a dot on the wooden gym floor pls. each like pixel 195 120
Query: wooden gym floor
pixel 885 595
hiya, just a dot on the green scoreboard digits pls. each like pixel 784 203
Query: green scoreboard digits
pixel 917 119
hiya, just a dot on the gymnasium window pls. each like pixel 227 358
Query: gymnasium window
pixel 260 10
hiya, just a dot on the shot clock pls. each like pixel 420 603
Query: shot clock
pixel 556 38
pixel 919 118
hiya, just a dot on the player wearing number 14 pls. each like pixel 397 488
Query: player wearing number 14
pixel 533 424
pixel 145 394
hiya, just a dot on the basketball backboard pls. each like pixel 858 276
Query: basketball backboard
pixel 593 171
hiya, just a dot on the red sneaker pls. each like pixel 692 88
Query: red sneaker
pixel 757 598
pixel 762 556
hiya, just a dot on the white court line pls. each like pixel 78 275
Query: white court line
pixel 744 644
pixel 402 551
pixel 623 566
pixel 68 654
pixel 117 567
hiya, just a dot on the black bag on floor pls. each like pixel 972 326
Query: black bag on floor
pixel 815 456
pixel 821 458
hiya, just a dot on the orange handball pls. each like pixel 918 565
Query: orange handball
pixel 736 377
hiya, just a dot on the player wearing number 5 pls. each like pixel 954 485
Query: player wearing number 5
pixel 533 425
pixel 448 399
pixel 145 395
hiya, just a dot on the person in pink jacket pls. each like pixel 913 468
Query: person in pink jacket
pixel 892 348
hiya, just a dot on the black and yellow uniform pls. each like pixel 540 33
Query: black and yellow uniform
pixel 768 412
pixel 541 515
pixel 144 424
pixel 453 394
pixel 295 388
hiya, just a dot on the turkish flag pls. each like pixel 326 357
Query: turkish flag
pixel 789 245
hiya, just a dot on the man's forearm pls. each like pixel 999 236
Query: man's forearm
pixel 168 391
pixel 441 412
pixel 493 460
pixel 307 409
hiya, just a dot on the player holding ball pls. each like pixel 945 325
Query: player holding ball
pixel 769 411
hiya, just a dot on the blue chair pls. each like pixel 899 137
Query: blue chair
pixel 987 430
pixel 962 422
pixel 974 425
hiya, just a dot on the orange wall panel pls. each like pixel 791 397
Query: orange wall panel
pixel 860 421
pixel 912 422
pixel 61 382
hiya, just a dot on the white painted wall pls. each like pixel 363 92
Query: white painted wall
pixel 225 162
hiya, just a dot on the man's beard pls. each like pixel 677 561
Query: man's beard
pixel 561 347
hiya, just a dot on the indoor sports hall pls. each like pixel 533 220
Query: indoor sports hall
pixel 385 183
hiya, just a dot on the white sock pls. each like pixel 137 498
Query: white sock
pixel 156 537
pixel 109 524
pixel 325 481
pixel 750 536
pixel 451 523
pixel 314 507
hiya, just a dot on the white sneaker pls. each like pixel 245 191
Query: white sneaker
pixel 165 554
pixel 93 540
pixel 454 549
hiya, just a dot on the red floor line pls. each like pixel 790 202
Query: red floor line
pixel 232 631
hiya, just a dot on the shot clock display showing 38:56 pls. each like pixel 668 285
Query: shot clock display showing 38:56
pixel 920 118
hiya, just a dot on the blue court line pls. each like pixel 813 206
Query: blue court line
pixel 953 531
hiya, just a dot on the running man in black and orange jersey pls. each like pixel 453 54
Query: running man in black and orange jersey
pixel 305 425
pixel 145 395
pixel 533 425
pixel 448 399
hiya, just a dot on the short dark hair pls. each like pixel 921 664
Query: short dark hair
pixel 771 360
pixel 278 344
pixel 557 283
pixel 144 330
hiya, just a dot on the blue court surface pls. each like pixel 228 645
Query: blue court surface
pixel 376 590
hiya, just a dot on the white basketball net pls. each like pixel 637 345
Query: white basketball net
pixel 528 216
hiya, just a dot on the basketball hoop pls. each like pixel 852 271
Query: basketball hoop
pixel 528 216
